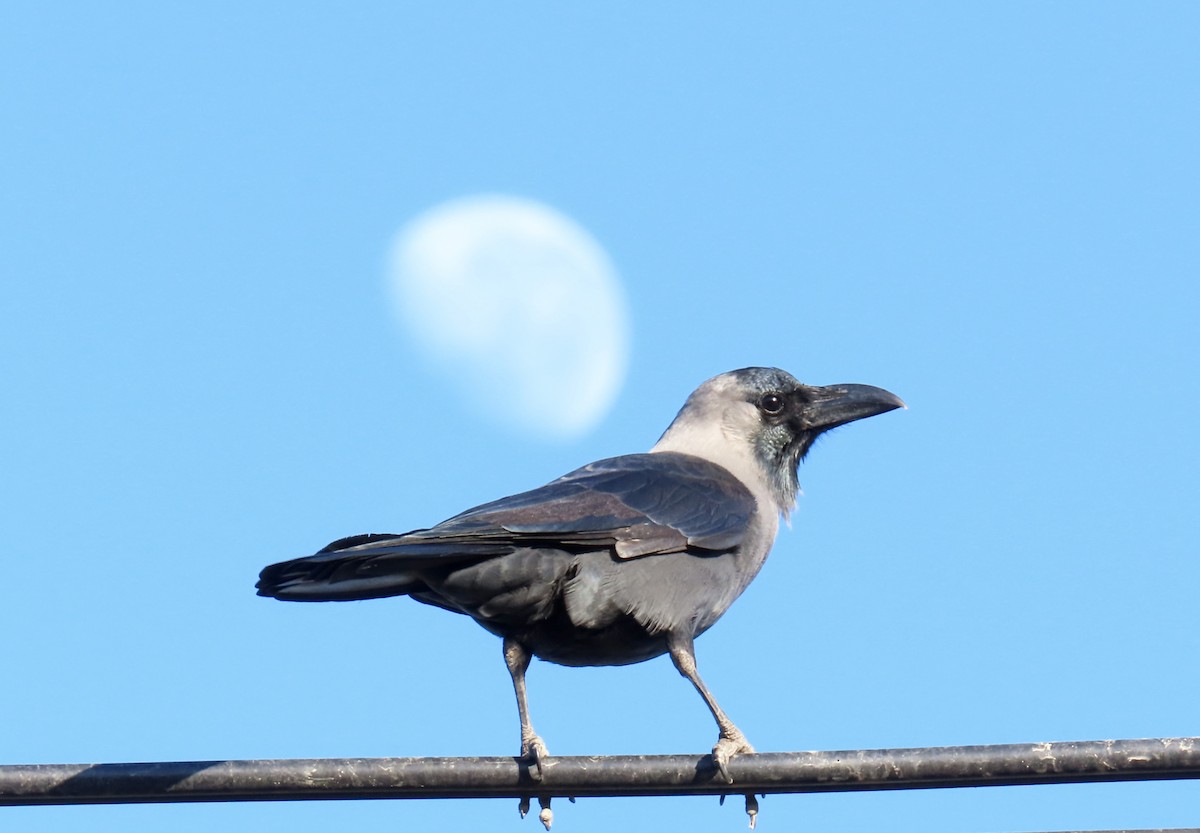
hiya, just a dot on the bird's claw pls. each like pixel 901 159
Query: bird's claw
pixel 533 750
pixel 751 808
pixel 546 816
pixel 728 745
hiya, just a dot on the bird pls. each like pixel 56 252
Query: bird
pixel 620 561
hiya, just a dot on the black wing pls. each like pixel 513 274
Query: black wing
pixel 639 504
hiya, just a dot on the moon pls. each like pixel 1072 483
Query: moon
pixel 519 308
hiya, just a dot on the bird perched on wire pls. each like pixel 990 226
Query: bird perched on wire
pixel 617 562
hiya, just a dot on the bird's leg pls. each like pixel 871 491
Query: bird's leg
pixel 731 741
pixel 533 749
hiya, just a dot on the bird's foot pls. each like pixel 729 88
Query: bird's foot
pixel 546 816
pixel 533 750
pixel 751 808
pixel 730 743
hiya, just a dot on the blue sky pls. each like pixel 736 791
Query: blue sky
pixel 990 209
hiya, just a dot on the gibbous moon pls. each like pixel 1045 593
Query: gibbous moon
pixel 519 307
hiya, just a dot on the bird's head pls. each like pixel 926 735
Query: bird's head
pixel 759 422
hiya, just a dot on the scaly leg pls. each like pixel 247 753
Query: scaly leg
pixel 731 741
pixel 533 749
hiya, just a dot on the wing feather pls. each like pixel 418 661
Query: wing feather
pixel 667 502
pixel 638 505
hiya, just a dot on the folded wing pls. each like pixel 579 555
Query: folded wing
pixel 637 505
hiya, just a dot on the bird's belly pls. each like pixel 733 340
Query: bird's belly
pixel 623 642
pixel 617 612
pixel 592 608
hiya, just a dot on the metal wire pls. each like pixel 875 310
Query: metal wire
pixel 763 773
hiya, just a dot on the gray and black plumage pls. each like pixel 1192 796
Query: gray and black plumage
pixel 617 562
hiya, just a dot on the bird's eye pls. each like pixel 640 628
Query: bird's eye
pixel 772 404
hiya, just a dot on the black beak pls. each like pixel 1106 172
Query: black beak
pixel 835 405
